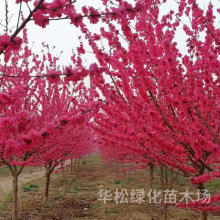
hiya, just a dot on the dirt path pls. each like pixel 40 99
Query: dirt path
pixel 77 196
pixel 6 182
pixel 25 177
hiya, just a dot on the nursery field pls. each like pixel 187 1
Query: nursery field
pixel 80 195
pixel 110 110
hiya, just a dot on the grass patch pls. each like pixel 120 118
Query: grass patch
pixel 3 205
pixel 9 199
pixel 214 184
pixel 48 206
pixel 4 171
pixel 116 182
pixel 75 188
pixel 156 186
pixel 58 197
pixel 30 187
pixel 93 160
pixel 84 162
pixel 112 211
pixel 94 207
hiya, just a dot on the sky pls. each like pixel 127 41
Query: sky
pixel 64 36
pixel 61 33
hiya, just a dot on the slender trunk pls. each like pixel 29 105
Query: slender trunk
pixel 117 165
pixel 128 172
pixel 75 164
pixel 48 173
pixel 166 186
pixel 204 215
pixel 151 175
pixel 78 163
pixel 71 166
pixel 163 187
pixel 162 176
pixel 63 172
pixel 15 196
pixel 166 178
pixel 165 211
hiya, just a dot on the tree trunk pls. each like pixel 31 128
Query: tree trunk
pixel 72 166
pixel 151 175
pixel 162 176
pixel 75 164
pixel 165 211
pixel 78 163
pixel 63 172
pixel 204 215
pixel 47 185
pixel 163 188
pixel 166 178
pixel 15 196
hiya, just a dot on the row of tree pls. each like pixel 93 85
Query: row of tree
pixel 43 121
pixel 162 106
pixel 147 101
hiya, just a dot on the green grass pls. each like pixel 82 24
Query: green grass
pixel 3 205
pixel 84 162
pixel 213 185
pixel 75 188
pixel 92 160
pixel 30 187
pixel 9 199
pixel 112 211
pixel 48 206
pixel 117 182
pixel 4 171
pixel 58 197
pixel 94 207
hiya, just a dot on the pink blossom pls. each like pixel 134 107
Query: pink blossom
pixel 40 19
pixel 53 76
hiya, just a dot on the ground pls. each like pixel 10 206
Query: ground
pixel 76 196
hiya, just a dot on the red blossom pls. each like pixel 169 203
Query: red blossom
pixel 41 19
